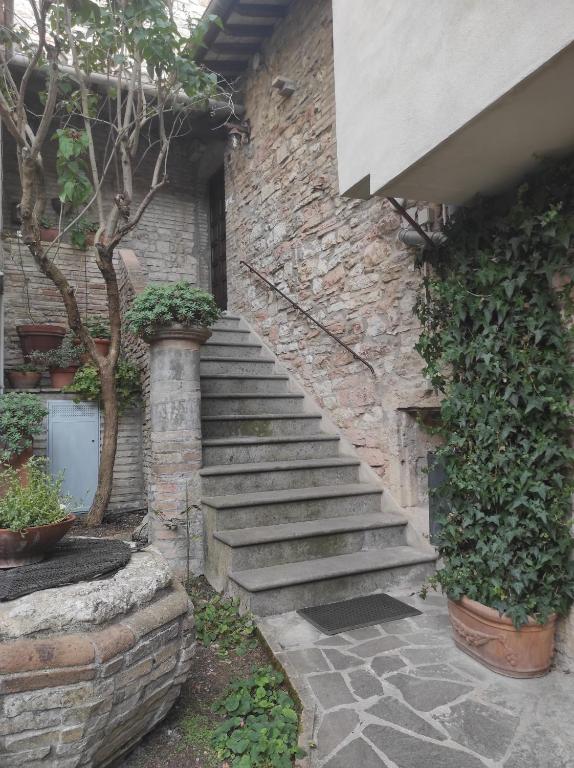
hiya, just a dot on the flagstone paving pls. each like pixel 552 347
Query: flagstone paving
pixel 401 695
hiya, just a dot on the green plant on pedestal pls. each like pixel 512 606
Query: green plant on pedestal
pixel 497 344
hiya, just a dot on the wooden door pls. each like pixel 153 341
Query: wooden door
pixel 217 235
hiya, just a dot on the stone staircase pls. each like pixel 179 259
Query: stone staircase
pixel 290 520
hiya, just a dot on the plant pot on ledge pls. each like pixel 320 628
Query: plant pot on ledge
pixel 24 379
pixel 492 639
pixel 40 338
pixel 62 377
pixel 102 347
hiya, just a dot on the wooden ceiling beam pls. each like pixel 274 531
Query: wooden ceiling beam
pixel 225 65
pixel 248 30
pixel 261 10
pixel 235 48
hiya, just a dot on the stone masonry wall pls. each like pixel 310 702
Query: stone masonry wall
pixel 338 258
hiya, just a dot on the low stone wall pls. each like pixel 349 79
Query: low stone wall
pixel 83 698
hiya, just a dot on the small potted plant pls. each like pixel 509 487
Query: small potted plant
pixel 40 337
pixel 33 517
pixel 62 362
pixel 48 230
pixel 82 234
pixel 175 310
pixel 99 330
pixel 25 376
pixel 21 417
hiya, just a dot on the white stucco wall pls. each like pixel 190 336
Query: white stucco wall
pixel 410 75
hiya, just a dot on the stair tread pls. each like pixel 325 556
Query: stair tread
pixel 266 416
pixel 221 441
pixel 210 343
pixel 242 537
pixel 289 574
pixel 246 376
pixel 279 466
pixel 262 498
pixel 252 395
pixel 208 359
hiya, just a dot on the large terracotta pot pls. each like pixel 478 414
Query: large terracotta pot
pixel 62 377
pixel 18 463
pixel 102 347
pixel 493 640
pixel 31 545
pixel 23 379
pixel 49 234
pixel 40 338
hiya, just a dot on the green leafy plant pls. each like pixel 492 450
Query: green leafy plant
pixel 39 502
pixel 218 622
pixel 67 355
pixel 161 305
pixel 87 384
pixel 496 344
pixel 262 724
pixel 80 231
pixel 98 328
pixel 21 417
pixel 72 166
pixel 30 367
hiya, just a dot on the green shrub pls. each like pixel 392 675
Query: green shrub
pixel 262 725
pixel 21 417
pixel 218 622
pixel 88 386
pixel 161 305
pixel 98 328
pixel 40 502
pixel 496 345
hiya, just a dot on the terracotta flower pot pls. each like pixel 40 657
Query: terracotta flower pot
pixel 493 640
pixel 49 234
pixel 62 377
pixel 31 545
pixel 40 338
pixel 23 379
pixel 18 463
pixel 102 347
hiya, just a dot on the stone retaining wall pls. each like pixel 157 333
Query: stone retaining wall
pixel 82 699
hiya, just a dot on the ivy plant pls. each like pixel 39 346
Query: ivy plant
pixel 261 726
pixel 87 384
pixel 21 417
pixel 496 340
pixel 158 306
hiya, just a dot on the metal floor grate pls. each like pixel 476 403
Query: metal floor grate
pixel 356 613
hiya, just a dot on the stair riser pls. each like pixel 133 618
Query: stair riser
pixel 311 548
pixel 294 511
pixel 254 482
pixel 250 405
pixel 224 350
pixel 247 386
pixel 228 322
pixel 298 596
pixel 260 427
pixel 246 454
pixel 249 367
pixel 233 334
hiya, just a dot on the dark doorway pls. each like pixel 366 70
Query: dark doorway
pixel 217 233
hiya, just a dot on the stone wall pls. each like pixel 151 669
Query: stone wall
pixel 338 258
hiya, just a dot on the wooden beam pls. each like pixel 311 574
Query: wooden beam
pixel 238 48
pixel 248 30
pixel 225 65
pixel 261 10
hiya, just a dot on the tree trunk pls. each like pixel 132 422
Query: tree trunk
pixel 109 446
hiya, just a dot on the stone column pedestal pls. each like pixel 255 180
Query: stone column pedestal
pixel 175 520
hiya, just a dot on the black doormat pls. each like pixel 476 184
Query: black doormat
pixel 73 560
pixel 356 613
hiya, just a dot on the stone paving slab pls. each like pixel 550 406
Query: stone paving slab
pixel 401 695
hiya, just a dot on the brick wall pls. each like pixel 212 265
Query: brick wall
pixel 338 258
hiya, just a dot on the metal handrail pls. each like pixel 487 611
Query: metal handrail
pixel 309 317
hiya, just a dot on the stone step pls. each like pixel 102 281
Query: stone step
pixel 292 505
pixel 277 475
pixel 235 335
pixel 241 404
pixel 248 548
pixel 242 450
pixel 229 320
pixel 290 586
pixel 225 383
pixel 246 366
pixel 261 425
pixel 231 349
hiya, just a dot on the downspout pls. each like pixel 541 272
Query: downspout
pixel 1 265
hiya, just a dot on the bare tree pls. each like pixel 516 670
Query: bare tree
pixel 119 66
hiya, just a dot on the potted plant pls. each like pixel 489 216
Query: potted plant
pixel 62 362
pixel 82 234
pixel 48 230
pixel 25 376
pixel 88 386
pixel 40 337
pixel 172 310
pixel 497 346
pixel 33 517
pixel 99 330
pixel 21 417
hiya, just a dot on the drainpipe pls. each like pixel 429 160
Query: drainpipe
pixel 415 239
pixel 1 333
